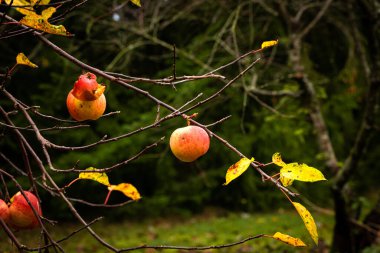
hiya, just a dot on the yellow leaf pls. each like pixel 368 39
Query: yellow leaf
pixel 40 2
pixel 136 2
pixel 237 169
pixel 21 59
pixel 296 242
pixel 41 23
pixel 276 159
pixel 308 220
pixel 96 176
pixel 286 181
pixel 128 190
pixel 24 10
pixel 301 172
pixel 27 5
pixel 269 43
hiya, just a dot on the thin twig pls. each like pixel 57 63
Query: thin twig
pixel 158 247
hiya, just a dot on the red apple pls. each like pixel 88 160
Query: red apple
pixel 84 110
pixel 4 211
pixel 85 88
pixel 21 215
pixel 189 143
pixel 86 100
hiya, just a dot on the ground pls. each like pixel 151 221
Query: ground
pixel 209 228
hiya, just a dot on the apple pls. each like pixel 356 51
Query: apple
pixel 189 143
pixel 85 87
pixel 86 100
pixel 21 215
pixel 84 110
pixel 4 211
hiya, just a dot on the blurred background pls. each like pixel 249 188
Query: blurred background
pixel 326 61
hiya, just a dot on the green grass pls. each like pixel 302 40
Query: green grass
pixel 201 230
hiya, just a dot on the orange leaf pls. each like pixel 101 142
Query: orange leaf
pixel 21 59
pixel 128 190
pixel 296 242
pixel 237 169
pixel 41 23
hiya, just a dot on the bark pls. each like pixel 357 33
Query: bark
pixel 343 240
pixel 342 236
pixel 315 112
pixel 364 238
pixel 371 230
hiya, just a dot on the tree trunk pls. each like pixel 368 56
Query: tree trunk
pixel 342 237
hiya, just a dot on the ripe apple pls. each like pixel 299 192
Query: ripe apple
pixel 86 100
pixel 189 143
pixel 85 87
pixel 21 215
pixel 84 110
pixel 4 211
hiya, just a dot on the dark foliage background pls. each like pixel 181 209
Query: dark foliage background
pixel 207 34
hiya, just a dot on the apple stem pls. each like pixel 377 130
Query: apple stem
pixel 108 196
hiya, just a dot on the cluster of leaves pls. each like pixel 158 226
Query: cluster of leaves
pixel 288 173
pixel 101 177
pixel 38 21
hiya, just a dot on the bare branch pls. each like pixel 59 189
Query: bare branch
pixel 320 14
pixel 192 247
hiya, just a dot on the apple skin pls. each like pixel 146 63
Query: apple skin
pixel 21 215
pixel 189 143
pixel 85 87
pixel 4 211
pixel 85 110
